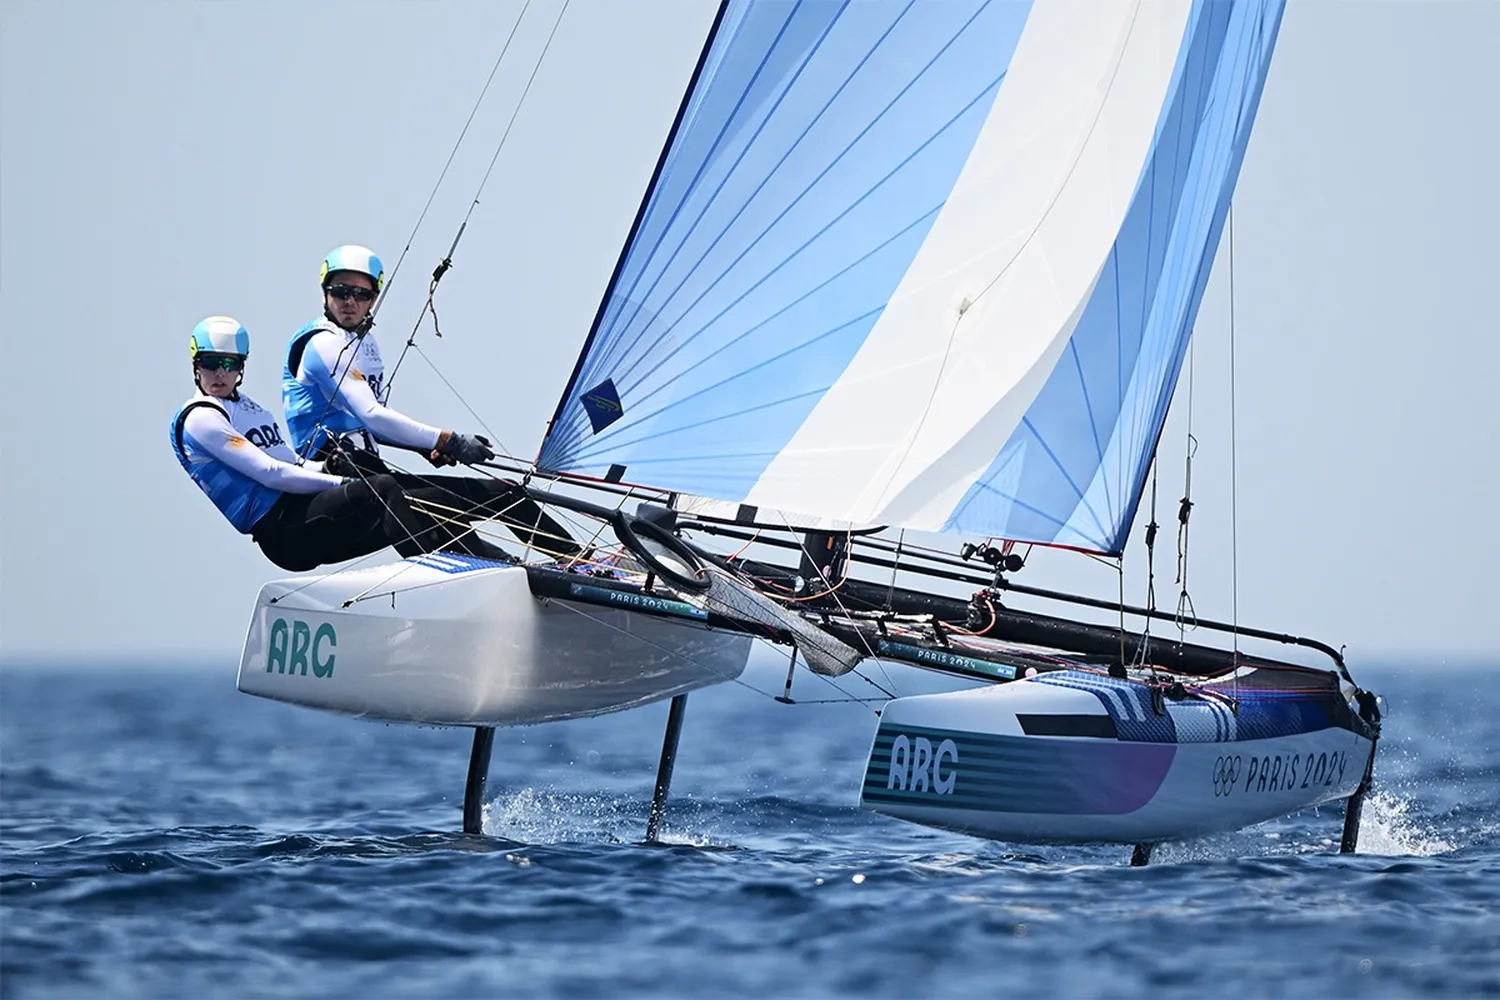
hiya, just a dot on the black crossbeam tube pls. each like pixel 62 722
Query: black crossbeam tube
pixel 479 771
pixel 664 768
pixel 858 539
pixel 1009 625
pixel 649 493
pixel 1226 627
pixel 1097 642
pixel 1057 595
pixel 783 543
pixel 980 581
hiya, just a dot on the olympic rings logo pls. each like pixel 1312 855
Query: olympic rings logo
pixel 1226 773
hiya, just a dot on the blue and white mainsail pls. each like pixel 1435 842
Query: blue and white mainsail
pixel 929 264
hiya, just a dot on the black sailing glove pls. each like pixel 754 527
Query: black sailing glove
pixel 467 448
pixel 338 463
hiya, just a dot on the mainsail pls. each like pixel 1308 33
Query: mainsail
pixel 930 264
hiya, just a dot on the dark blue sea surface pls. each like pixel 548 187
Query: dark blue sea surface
pixel 162 835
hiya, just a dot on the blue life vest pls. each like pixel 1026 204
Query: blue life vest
pixel 309 389
pixel 239 498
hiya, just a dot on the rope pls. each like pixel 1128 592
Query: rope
pixel 333 440
pixel 431 508
pixel 843 610
pixel 410 536
pixel 404 565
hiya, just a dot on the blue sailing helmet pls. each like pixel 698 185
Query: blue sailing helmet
pixel 220 335
pixel 353 258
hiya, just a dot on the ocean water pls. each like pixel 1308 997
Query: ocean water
pixel 162 835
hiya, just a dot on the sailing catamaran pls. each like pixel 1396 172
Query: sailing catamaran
pixel 901 267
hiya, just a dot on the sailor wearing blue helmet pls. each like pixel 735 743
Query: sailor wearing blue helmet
pixel 300 516
pixel 333 385
pixel 333 388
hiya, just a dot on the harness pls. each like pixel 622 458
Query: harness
pixel 331 442
pixel 297 349
pixel 180 426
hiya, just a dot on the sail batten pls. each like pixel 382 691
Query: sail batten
pixel 928 264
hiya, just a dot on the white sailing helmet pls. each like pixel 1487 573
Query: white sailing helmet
pixel 361 260
pixel 220 335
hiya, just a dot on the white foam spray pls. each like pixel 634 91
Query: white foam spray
pixel 1385 828
pixel 536 816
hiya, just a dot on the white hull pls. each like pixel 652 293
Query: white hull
pixel 964 761
pixel 449 640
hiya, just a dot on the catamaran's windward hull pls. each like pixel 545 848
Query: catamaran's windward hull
pixel 976 762
pixel 448 640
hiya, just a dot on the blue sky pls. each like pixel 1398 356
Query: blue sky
pixel 160 162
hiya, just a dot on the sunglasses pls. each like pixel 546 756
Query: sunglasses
pixel 220 364
pixel 351 292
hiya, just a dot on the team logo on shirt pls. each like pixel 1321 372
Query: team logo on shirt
pixel 265 436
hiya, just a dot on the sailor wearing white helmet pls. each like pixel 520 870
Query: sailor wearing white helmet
pixel 333 389
pixel 300 516
pixel 333 386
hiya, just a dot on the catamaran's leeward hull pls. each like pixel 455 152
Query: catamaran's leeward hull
pixel 1073 759
pixel 450 640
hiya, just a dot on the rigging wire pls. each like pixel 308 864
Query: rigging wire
pixel 429 508
pixel 430 307
pixel 1120 571
pixel 456 394
pixel 1142 653
pixel 513 115
pixel 447 261
pixel 420 218
pixel 890 593
pixel 336 447
pixel 1234 543
pixel 1186 615
pixel 832 591
pixel 438 512
pixel 451 154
